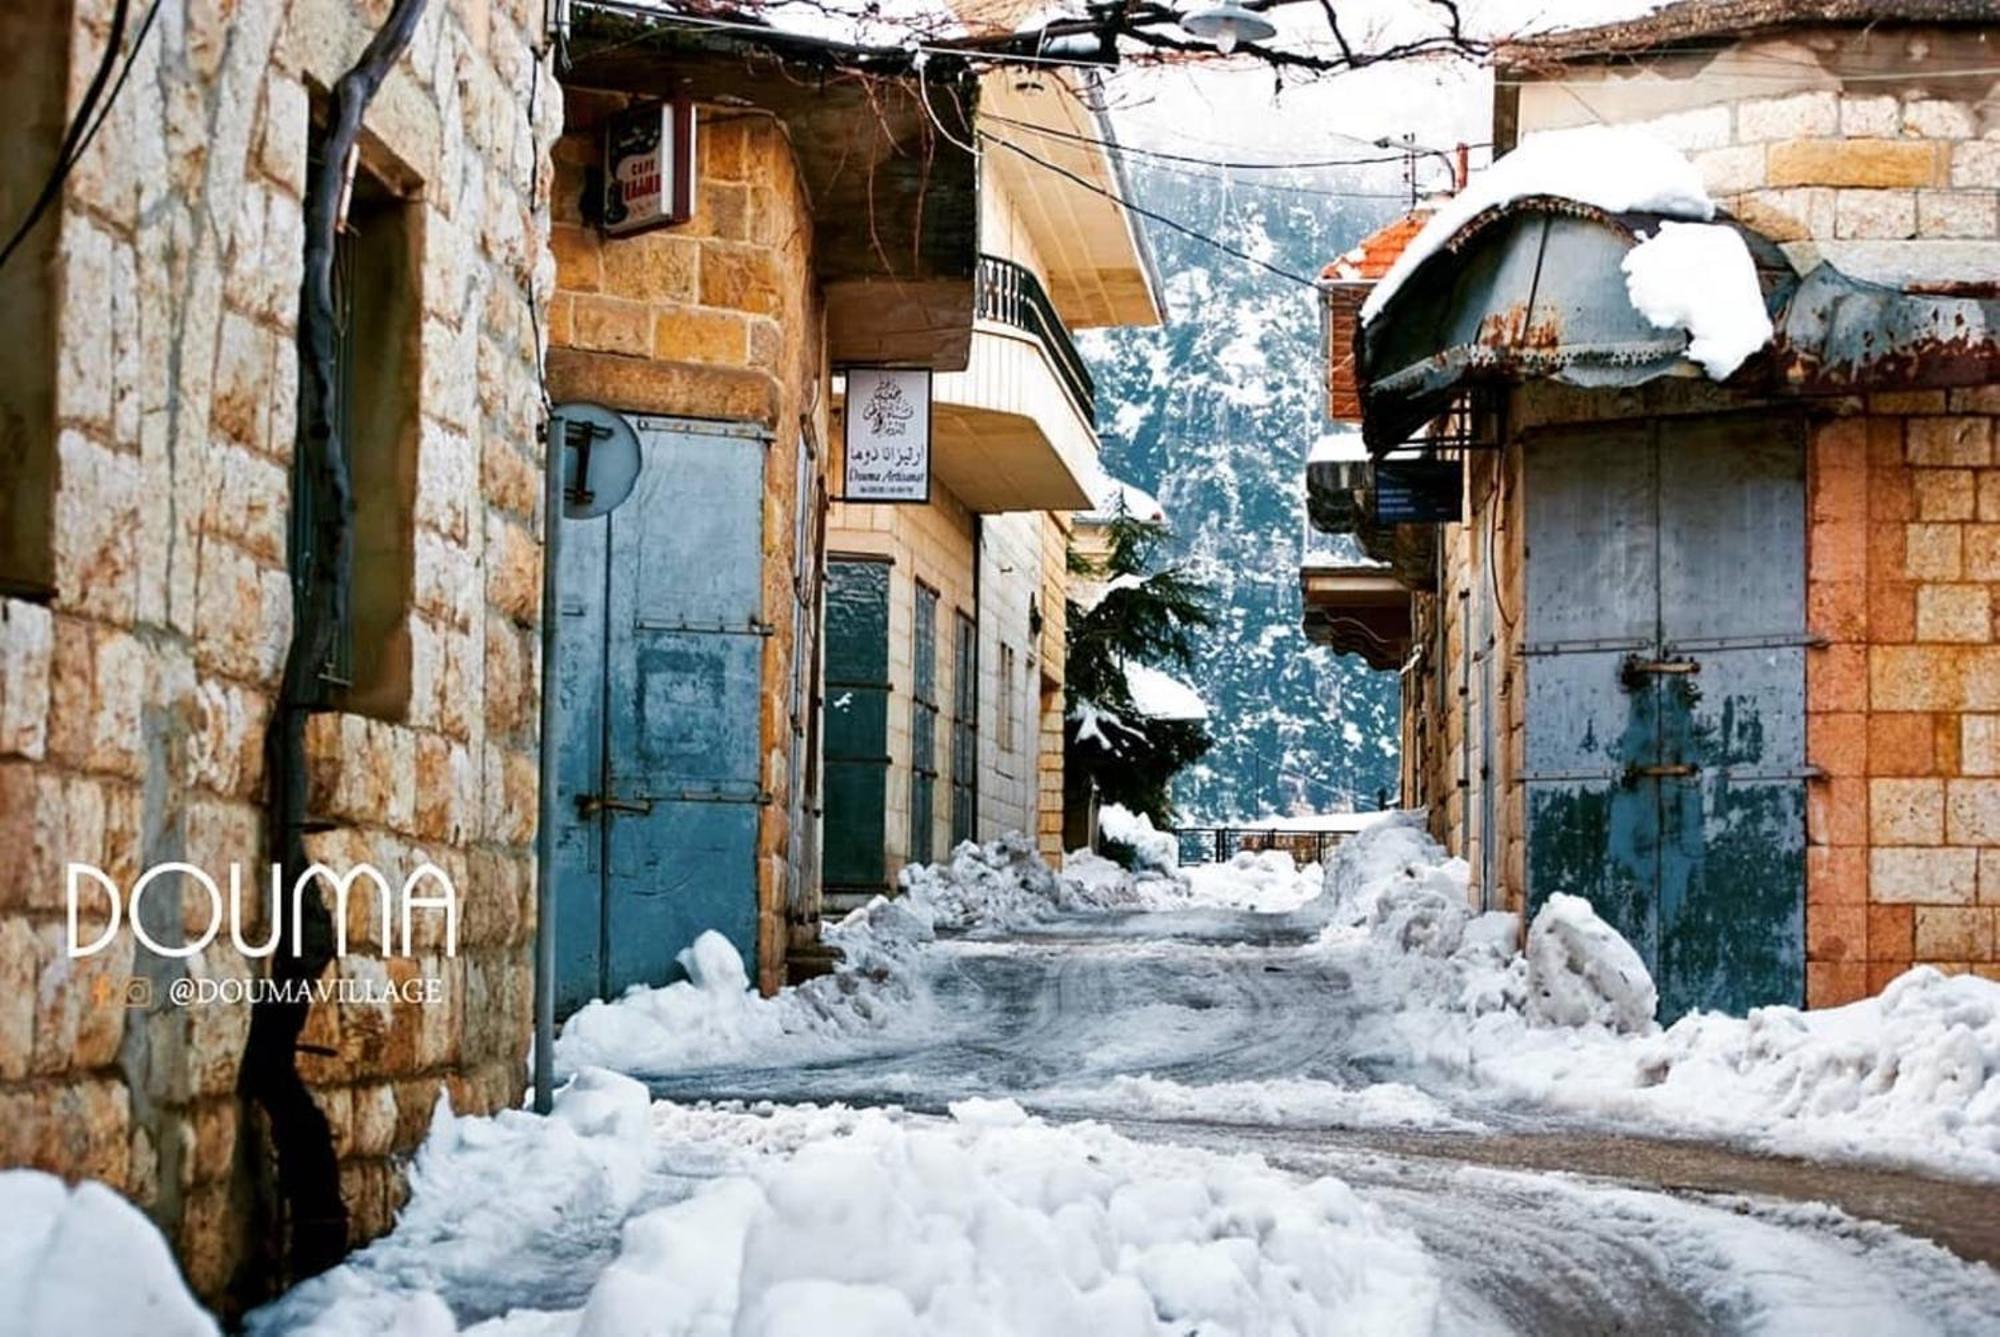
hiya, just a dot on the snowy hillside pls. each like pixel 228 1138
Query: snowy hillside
pixel 1215 412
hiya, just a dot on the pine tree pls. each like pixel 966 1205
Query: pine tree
pixel 1143 616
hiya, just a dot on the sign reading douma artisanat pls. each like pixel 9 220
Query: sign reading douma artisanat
pixel 888 435
pixel 648 167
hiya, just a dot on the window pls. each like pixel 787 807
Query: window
pixel 1009 702
pixel 378 313
pixel 923 725
pixel 965 732
pixel 34 103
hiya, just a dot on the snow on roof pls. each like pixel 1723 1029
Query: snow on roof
pixel 1342 445
pixel 1114 496
pixel 1162 696
pixel 1611 168
pixel 1699 277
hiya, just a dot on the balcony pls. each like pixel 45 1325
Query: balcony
pixel 1011 294
pixel 1017 429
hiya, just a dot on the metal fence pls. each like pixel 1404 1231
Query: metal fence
pixel 1220 844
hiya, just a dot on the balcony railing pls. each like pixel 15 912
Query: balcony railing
pixel 1012 295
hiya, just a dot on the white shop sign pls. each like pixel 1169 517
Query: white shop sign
pixel 888 418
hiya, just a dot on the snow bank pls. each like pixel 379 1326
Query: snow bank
pixel 877 1224
pixel 1699 277
pixel 1582 973
pixel 1265 881
pixel 1613 168
pixel 84 1260
pixel 1279 1102
pixel 877 996
pixel 1910 1078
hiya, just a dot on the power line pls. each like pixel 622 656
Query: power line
pixel 77 138
pixel 1160 218
pixel 1115 146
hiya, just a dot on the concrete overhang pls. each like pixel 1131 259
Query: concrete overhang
pixel 895 202
pixel 1096 264
pixel 1357 610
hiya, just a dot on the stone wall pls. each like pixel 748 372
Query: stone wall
pixel 133 700
pixel 718 318
pixel 1839 144
pixel 1904 566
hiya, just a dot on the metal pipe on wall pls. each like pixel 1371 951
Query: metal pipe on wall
pixel 553 449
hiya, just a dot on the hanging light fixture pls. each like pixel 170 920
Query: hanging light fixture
pixel 1227 24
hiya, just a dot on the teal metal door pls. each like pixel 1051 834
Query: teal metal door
pixel 1666 688
pixel 661 675
pixel 923 727
pixel 964 732
pixel 857 729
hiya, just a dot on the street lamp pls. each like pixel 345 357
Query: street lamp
pixel 1226 25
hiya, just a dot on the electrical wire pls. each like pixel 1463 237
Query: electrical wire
pixel 1163 220
pixel 1115 146
pixel 79 135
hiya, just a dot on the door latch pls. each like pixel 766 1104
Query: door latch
pixel 1634 772
pixel 1635 670
pixel 589 805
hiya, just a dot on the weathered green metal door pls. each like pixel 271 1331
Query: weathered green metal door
pixel 965 732
pixel 1666 689
pixel 857 729
pixel 923 727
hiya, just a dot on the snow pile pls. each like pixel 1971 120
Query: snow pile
pixel 1699 277
pixel 881 1225
pixel 1114 498
pixel 1612 168
pixel 1582 973
pixel 1151 848
pixel 1005 884
pixel 85 1260
pixel 1265 881
pixel 879 995
pixel 1909 1078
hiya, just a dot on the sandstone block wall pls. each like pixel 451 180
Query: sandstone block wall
pixel 133 700
pixel 717 318
pixel 1904 701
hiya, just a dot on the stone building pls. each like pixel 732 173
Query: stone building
pixel 832 222
pixel 945 640
pixel 148 423
pixel 1720 656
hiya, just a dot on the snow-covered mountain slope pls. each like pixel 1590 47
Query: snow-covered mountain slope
pixel 1214 412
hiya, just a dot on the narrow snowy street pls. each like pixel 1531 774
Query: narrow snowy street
pixel 1185 1104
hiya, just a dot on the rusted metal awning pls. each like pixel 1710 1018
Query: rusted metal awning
pixel 1838 334
pixel 1357 610
pixel 1531 289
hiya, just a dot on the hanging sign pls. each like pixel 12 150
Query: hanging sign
pixel 648 167
pixel 1418 492
pixel 888 420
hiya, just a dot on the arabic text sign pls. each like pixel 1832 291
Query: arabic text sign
pixel 888 435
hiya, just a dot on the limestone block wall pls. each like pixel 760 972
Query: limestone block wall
pixel 136 686
pixel 1852 145
pixel 933 544
pixel 1904 566
pixel 1010 580
pixel 1054 652
pixel 717 318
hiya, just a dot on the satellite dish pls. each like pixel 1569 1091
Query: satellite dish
pixel 1226 25
pixel 600 458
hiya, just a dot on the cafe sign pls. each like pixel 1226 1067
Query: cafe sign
pixel 648 168
pixel 888 420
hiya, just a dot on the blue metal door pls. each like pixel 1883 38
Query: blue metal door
pixel 1666 687
pixel 662 675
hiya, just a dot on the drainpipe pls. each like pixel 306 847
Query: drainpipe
pixel 554 451
pixel 307 1170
